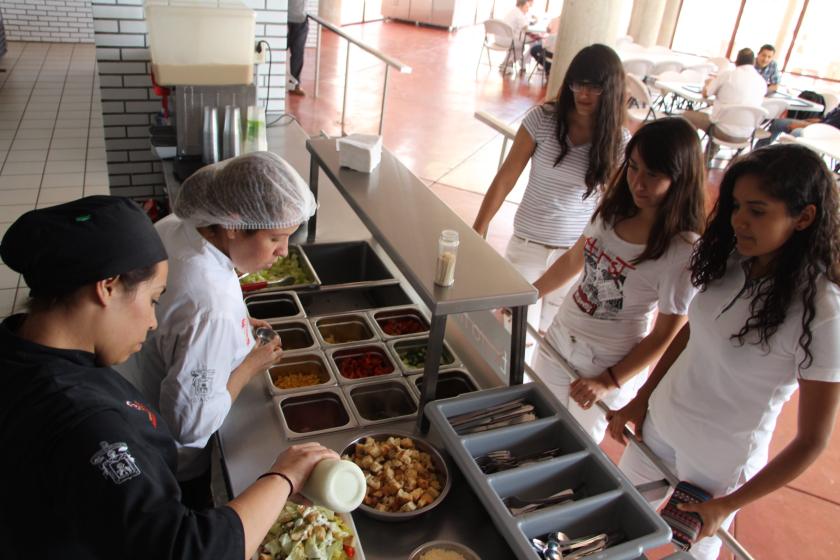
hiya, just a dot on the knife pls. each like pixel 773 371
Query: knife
pixel 497 417
pixel 455 421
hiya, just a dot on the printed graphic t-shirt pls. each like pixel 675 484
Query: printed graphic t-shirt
pixel 613 302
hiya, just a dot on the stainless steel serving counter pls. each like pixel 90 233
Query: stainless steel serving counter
pixel 253 435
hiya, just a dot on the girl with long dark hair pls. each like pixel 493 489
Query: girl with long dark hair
pixel 574 144
pixel 631 261
pixel 765 322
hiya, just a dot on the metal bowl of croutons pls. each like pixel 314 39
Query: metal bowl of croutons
pixel 406 476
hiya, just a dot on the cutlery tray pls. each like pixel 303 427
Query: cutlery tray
pixel 609 503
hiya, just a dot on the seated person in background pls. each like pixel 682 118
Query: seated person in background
pixel 518 19
pixel 767 67
pixel 539 48
pixel 795 126
pixel 740 86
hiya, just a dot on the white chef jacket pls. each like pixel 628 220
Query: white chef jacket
pixel 721 399
pixel 203 334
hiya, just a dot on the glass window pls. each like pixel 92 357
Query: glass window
pixel 768 21
pixel 705 27
pixel 815 51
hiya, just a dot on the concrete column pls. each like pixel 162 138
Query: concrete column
pixel 582 23
pixel 635 24
pixel 650 18
pixel 669 22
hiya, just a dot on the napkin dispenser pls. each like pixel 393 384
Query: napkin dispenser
pixel 361 152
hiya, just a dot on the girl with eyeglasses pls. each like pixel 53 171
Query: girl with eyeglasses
pixel 574 144
pixel 631 265
pixel 765 322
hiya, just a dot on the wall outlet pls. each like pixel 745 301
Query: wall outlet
pixel 259 53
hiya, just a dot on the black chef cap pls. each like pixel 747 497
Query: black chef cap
pixel 64 247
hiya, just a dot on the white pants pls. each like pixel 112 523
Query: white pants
pixel 532 259
pixel 713 472
pixel 588 363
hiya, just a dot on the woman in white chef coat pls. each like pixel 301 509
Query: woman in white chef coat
pixel 236 215
pixel 765 322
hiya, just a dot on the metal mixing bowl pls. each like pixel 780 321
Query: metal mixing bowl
pixel 421 445
pixel 467 553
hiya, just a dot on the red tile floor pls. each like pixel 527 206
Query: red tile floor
pixel 429 125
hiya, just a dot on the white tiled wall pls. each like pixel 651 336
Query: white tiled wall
pixel 128 103
pixel 52 21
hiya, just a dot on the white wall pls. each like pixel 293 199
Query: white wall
pixel 54 21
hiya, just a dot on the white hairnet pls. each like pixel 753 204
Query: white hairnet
pixel 253 191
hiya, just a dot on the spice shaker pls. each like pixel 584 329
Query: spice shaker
pixel 447 255
pixel 336 484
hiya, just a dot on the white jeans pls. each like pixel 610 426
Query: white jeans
pixel 710 471
pixel 532 259
pixel 588 363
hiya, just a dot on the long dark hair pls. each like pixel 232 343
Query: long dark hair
pixel 597 64
pixel 670 147
pixel 798 177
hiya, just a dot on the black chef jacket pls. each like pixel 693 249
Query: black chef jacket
pixel 87 466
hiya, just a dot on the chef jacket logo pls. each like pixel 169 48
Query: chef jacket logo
pixel 115 462
pixel 202 382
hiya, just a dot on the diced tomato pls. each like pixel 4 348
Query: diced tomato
pixel 349 551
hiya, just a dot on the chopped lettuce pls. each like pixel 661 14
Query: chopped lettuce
pixel 306 533
pixel 288 266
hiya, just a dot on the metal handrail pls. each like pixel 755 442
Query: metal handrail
pixel 731 543
pixel 389 61
pixel 508 133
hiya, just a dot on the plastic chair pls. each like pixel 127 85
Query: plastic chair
pixel 623 42
pixel 821 130
pixel 774 108
pixel 666 66
pixel 659 49
pixel 721 63
pixel 498 36
pixel 741 116
pixel 549 58
pixel 640 67
pixel 703 69
pixel 639 101
pixel 831 100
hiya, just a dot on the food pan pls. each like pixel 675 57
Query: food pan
pixel 329 301
pixel 346 262
pixel 315 412
pixel 295 336
pixel 296 273
pixel 355 364
pixel 308 363
pixel 410 354
pixel 376 402
pixel 341 330
pixel 451 383
pixel 274 305
pixel 400 322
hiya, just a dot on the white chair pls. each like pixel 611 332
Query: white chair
pixel 740 116
pixel 623 42
pixel 703 69
pixel 639 102
pixel 640 67
pixel 721 63
pixel 775 108
pixel 498 36
pixel 822 131
pixel 666 66
pixel 831 100
pixel 659 49
pixel 660 95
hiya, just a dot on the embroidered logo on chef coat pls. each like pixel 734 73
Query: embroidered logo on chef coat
pixel 202 382
pixel 115 462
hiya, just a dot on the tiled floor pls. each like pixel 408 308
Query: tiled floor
pixel 429 124
pixel 52 146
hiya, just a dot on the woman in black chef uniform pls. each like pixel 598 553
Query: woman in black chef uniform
pixel 87 466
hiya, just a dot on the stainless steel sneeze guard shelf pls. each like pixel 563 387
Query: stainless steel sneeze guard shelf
pixel 406 218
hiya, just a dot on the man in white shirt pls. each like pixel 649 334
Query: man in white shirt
pixel 740 86
pixel 518 19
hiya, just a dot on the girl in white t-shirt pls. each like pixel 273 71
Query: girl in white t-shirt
pixel 632 261
pixel 574 144
pixel 766 321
